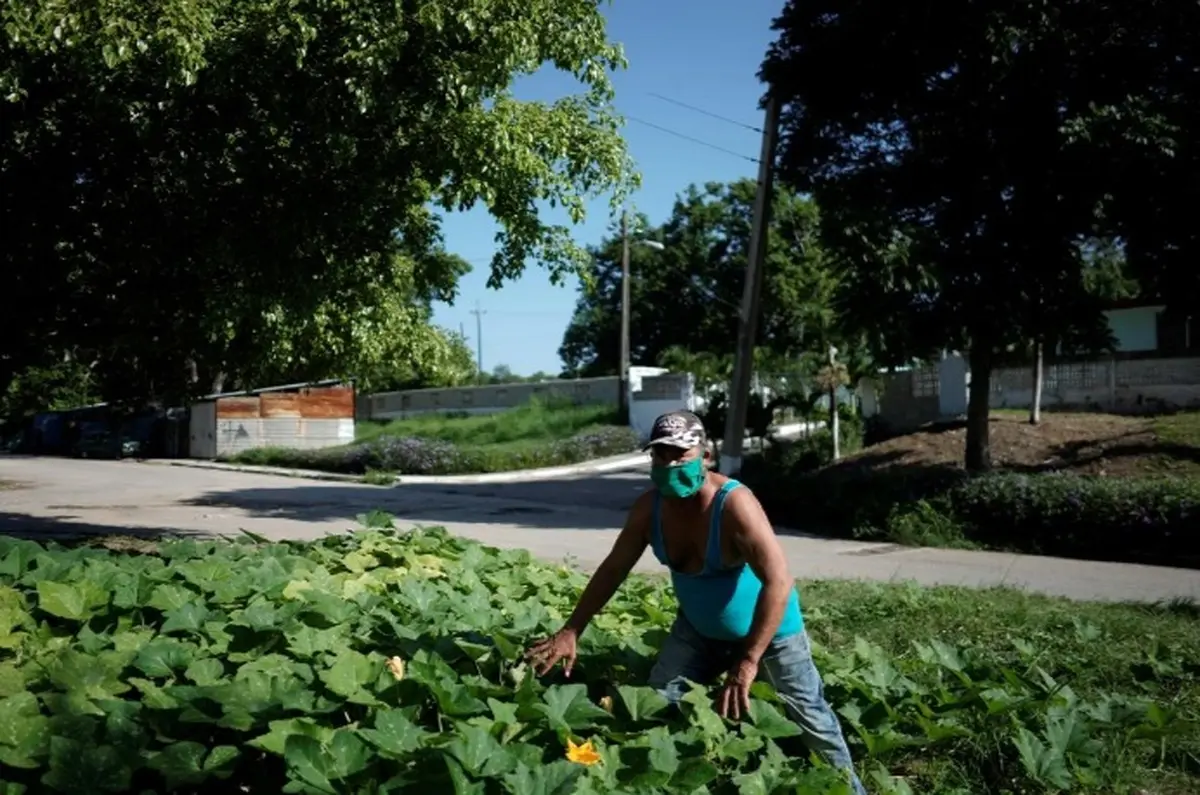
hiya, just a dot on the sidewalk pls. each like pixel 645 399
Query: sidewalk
pixel 614 463
pixel 67 496
pixel 599 465
pixel 834 559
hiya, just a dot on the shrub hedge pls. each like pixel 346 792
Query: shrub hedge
pixel 416 456
pixel 1151 519
pixel 1060 514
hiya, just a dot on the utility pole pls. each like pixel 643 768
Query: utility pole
pixel 833 403
pixel 735 422
pixel 623 398
pixel 478 313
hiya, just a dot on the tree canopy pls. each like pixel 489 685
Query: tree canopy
pixel 181 180
pixel 685 299
pixel 961 166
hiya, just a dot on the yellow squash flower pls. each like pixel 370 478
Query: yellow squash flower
pixel 606 704
pixel 396 666
pixel 582 754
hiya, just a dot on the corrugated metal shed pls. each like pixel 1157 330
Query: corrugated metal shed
pixel 296 416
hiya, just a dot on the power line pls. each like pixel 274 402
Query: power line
pixel 685 137
pixel 725 119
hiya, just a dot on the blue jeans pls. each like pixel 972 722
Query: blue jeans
pixel 788 666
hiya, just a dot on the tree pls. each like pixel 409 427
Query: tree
pixel 957 168
pixel 63 385
pixel 380 334
pixel 686 296
pixel 204 177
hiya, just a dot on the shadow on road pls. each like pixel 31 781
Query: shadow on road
pixel 589 502
pixel 66 528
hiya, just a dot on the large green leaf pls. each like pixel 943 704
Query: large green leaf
pixel 568 709
pixel 24 731
pixel 556 778
pixel 321 764
pixel 188 762
pixel 350 674
pixel 394 733
pixel 641 702
pixel 76 766
pixel 76 601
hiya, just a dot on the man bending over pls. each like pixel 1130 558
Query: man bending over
pixel 739 611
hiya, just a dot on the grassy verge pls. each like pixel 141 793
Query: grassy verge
pixel 536 421
pixel 1091 486
pixel 1098 653
pixel 377 661
pixel 531 436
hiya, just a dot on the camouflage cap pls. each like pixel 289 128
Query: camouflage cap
pixel 681 429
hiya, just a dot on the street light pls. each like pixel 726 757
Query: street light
pixel 625 308
pixel 623 399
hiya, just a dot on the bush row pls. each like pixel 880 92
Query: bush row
pixel 1098 517
pixel 416 456
pixel 1155 519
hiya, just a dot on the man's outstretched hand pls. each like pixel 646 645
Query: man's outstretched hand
pixel 734 698
pixel 545 654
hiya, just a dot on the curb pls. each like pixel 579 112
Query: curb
pixel 612 464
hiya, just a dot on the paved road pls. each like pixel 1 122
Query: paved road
pixel 566 518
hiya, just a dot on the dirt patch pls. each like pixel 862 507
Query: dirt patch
pixel 12 485
pixel 1085 444
pixel 132 544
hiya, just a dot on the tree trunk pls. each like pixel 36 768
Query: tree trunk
pixel 1035 409
pixel 979 453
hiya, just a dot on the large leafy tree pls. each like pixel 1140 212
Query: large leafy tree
pixel 685 298
pixel 379 333
pixel 177 178
pixel 959 166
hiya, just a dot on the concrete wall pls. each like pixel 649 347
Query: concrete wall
pixel 658 394
pixel 297 433
pixel 907 400
pixel 904 400
pixel 1117 385
pixel 486 399
pixel 305 419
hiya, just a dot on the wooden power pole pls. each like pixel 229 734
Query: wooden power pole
pixel 739 392
pixel 478 313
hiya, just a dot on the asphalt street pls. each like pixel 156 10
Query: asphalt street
pixel 574 518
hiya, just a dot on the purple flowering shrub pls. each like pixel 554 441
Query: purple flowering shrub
pixel 417 456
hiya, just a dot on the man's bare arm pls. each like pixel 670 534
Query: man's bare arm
pixel 755 540
pixel 626 552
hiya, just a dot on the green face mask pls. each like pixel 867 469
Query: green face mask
pixel 680 481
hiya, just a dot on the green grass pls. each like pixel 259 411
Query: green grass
pixel 1182 429
pixel 1097 650
pixel 531 436
pixel 533 422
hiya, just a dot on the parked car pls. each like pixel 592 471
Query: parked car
pixel 106 444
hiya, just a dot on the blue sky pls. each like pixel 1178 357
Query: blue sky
pixel 704 53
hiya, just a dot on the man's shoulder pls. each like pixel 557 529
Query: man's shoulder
pixel 644 503
pixel 741 503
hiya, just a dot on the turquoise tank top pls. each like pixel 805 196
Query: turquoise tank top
pixel 719 601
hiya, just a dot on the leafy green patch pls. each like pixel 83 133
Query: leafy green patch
pixel 384 662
